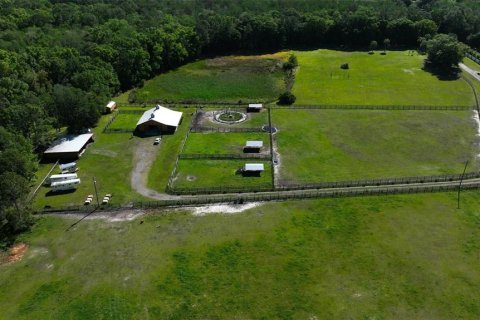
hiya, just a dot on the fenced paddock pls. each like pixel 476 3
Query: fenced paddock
pixel 219 143
pixel 208 173
pixel 336 145
pixel 123 121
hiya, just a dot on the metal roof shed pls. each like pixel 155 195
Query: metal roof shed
pixel 68 147
pixel 254 144
pixel 255 106
pixel 112 105
pixel 253 167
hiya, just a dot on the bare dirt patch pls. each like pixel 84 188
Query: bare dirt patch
pixel 223 208
pixel 15 253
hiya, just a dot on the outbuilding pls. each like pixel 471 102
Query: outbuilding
pixel 253 169
pixel 69 147
pixel 253 146
pixel 254 107
pixel 159 120
pixel 112 105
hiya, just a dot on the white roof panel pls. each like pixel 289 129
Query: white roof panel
pixel 67 176
pixel 254 167
pixel 67 165
pixel 69 143
pixel 111 104
pixel 64 182
pixel 254 144
pixel 255 105
pixel 162 115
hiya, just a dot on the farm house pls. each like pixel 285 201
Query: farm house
pixel 69 147
pixel 159 119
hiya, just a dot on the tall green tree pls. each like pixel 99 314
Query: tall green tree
pixel 444 52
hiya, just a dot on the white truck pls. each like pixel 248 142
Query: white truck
pixel 65 185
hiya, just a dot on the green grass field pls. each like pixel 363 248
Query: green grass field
pixel 218 173
pixel 392 79
pixel 392 257
pixel 332 145
pixel 229 79
pixel 223 143
pixel 125 121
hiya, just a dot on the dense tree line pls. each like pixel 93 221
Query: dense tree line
pixel 62 60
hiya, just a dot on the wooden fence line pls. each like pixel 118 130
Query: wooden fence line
pixel 273 196
pixel 224 130
pixel 373 107
pixel 200 156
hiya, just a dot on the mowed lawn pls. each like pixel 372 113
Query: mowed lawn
pixel 332 145
pixel 228 79
pixel 223 143
pixel 219 173
pixel 391 257
pixel 396 78
pixel 126 121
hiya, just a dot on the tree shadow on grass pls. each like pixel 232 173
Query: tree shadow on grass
pixel 442 73
pixel 60 192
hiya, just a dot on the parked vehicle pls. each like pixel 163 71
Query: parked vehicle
pixel 65 185
pixel 60 177
pixel 71 166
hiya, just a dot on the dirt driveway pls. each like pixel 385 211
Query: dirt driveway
pixel 144 155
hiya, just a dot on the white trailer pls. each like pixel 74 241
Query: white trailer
pixel 65 185
pixel 61 177
pixel 70 167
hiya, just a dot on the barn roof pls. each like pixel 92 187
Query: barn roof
pixel 111 104
pixel 161 115
pixel 255 106
pixel 69 143
pixel 254 144
pixel 253 167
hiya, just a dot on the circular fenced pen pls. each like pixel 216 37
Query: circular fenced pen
pixel 229 116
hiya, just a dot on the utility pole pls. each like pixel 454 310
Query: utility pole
pixel 96 192
pixel 460 184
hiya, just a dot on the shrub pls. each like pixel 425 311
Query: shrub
pixel 286 98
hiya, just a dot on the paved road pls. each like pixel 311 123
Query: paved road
pixel 470 71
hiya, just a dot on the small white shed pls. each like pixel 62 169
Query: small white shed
pixel 255 107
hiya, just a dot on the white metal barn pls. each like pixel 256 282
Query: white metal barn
pixel 70 147
pixel 159 119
